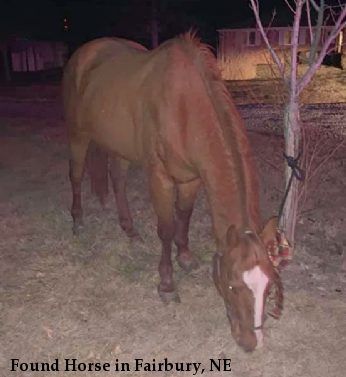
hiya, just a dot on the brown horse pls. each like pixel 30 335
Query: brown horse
pixel 169 110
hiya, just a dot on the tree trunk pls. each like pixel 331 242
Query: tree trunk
pixel 292 142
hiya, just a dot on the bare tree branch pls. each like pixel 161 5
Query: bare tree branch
pixel 255 8
pixel 309 19
pixel 317 35
pixel 271 21
pixel 339 25
pixel 295 43
pixel 314 4
pixel 290 6
pixel 333 14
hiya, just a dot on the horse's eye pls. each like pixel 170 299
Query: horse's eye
pixel 232 288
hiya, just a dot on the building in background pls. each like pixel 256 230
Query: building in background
pixel 24 55
pixel 243 55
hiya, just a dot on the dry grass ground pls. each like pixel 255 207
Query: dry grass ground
pixel 94 297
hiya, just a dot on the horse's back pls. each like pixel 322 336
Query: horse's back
pixel 84 60
pixel 92 54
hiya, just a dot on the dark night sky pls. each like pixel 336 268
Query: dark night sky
pixel 127 18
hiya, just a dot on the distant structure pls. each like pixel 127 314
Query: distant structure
pixel 242 53
pixel 24 55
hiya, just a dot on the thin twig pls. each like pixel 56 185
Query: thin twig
pixel 290 6
pixel 327 158
pixel 255 8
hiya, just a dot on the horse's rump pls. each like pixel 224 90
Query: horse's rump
pixel 90 56
pixel 76 78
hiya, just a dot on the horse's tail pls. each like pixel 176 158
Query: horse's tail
pixel 97 167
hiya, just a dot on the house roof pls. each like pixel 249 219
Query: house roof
pixel 281 19
pixel 267 19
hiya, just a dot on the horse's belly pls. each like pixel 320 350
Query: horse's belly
pixel 117 139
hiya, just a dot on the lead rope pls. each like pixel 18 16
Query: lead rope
pixel 297 173
pixel 279 250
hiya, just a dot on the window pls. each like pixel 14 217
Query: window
pixel 339 42
pixel 287 37
pixel 253 38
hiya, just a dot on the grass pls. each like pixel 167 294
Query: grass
pixel 94 297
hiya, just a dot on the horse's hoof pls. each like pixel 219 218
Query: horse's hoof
pixel 78 229
pixel 133 234
pixel 187 264
pixel 136 238
pixel 167 297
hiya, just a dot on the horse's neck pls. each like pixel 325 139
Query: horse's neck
pixel 231 187
pixel 227 166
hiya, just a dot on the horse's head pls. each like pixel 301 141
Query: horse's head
pixel 243 275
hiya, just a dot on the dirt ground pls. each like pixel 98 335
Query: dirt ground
pixel 93 297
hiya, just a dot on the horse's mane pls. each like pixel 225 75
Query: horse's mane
pixel 230 121
pixel 204 58
pixel 203 55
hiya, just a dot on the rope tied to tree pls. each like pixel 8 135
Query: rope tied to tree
pixel 296 172
pixel 279 250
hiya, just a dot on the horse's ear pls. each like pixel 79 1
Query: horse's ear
pixel 232 237
pixel 269 231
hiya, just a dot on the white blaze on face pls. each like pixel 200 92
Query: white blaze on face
pixel 257 281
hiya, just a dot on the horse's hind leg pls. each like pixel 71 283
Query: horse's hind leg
pixel 118 172
pixel 184 207
pixel 162 191
pixel 78 150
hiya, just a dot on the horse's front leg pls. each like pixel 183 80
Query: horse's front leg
pixel 184 207
pixel 162 191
